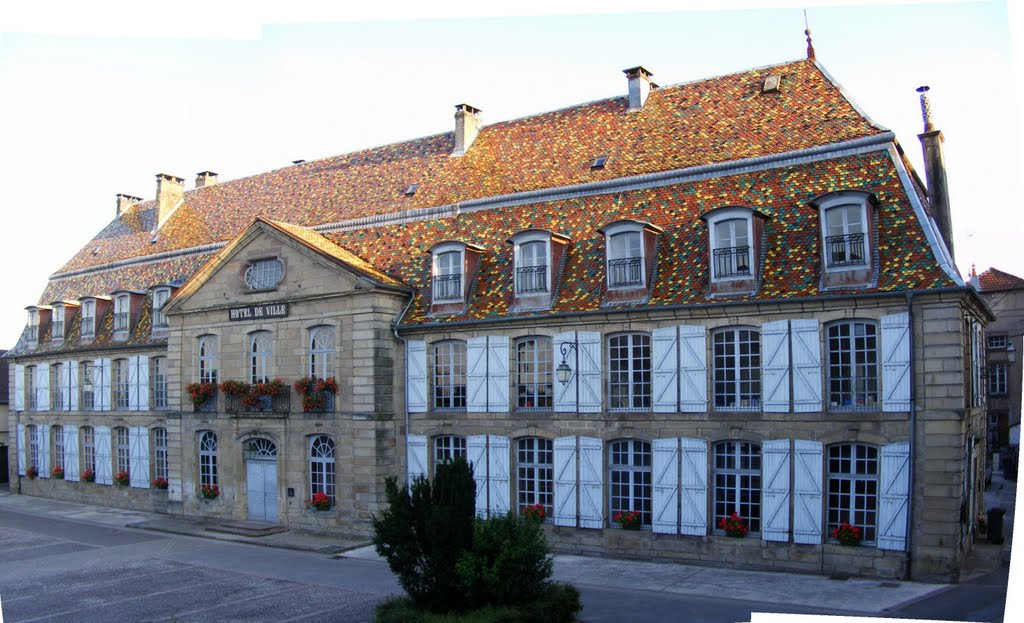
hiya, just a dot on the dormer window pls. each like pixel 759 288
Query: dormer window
pixel 734 241
pixel 844 235
pixel 730 246
pixel 121 312
pixel 538 253
pixel 264 274
pixel 847 221
pixel 33 325
pixel 448 276
pixel 532 267
pixel 57 326
pixel 88 318
pixel 453 266
pixel 629 259
pixel 160 297
pixel 625 259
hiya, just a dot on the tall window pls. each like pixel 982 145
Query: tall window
pixel 120 383
pixel 629 477
pixel 448 276
pixel 629 371
pixel 449 376
pixel 738 482
pixel 30 388
pixel 33 325
pixel 844 237
pixel 88 318
pixel 535 480
pixel 447 447
pixel 259 357
pixel 87 399
pixel 532 267
pixel 321 466
pixel 625 259
pixel 853 488
pixel 158 382
pixel 731 254
pixel 160 297
pixel 160 453
pixel 208 359
pixel 737 373
pixel 321 352
pixel 264 274
pixel 997 379
pixel 121 451
pixel 121 312
pixel 57 386
pixel 88 449
pixel 533 373
pixel 58 446
pixel 208 458
pixel 853 365
pixel 57 323
pixel 32 433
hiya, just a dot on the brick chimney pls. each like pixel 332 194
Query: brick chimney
pixel 205 178
pixel 467 126
pixel 935 170
pixel 169 193
pixel 639 86
pixel 125 201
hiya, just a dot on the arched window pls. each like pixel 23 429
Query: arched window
pixel 450 376
pixel 629 371
pixel 207 358
pixel 535 480
pixel 58 446
pixel 208 459
pixel 737 475
pixel 737 369
pixel 159 453
pixel 260 345
pixel 121 455
pixel 629 478
pixel 321 352
pixel 533 373
pixel 321 467
pixel 853 488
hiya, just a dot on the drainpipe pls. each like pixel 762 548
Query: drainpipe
pixel 405 346
pixel 913 434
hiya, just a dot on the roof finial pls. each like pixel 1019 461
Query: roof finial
pixel 807 31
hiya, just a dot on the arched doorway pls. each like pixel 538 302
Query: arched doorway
pixel 261 479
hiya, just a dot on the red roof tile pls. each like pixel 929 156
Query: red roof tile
pixel 994 280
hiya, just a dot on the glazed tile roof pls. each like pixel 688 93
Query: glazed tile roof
pixel 995 280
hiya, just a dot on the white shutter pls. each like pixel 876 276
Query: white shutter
pixel 565 395
pixel 807 463
pixel 43 388
pixel 476 454
pixel 894 477
pixel 43 435
pixel 775 366
pixel 138 456
pixel 565 481
pixel 72 385
pixel 591 483
pixel 66 394
pixel 476 374
pixel 775 490
pixel 101 436
pixel 22 450
pixel 71 453
pixel 693 369
pixel 101 386
pixel 665 369
pixel 415 457
pixel 19 387
pixel 497 374
pixel 806 339
pixel 694 489
pixel 665 490
pixel 589 345
pixel 416 378
pixel 896 362
pixel 133 383
pixel 497 475
pixel 138 383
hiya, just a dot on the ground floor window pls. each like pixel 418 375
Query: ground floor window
pixel 737 473
pixel 208 459
pixel 321 467
pixel 58 447
pixel 121 450
pixel 31 432
pixel 448 447
pixel 535 473
pixel 629 477
pixel 853 488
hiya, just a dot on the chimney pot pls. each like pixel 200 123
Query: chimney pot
pixel 639 83
pixel 935 172
pixel 125 201
pixel 467 126
pixel 205 178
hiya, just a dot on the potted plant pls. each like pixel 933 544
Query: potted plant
pixel 122 478
pixel 734 526
pixel 533 512
pixel 320 501
pixel 57 473
pixel 846 534
pixel 209 492
pixel 201 393
pixel 89 475
pixel 159 483
pixel 628 520
pixel 314 392
pixel 31 473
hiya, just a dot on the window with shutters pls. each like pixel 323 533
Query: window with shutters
pixel 158 382
pixel 57 323
pixel 997 379
pixel 88 449
pixel 852 366
pixel 57 458
pixel 737 369
pixel 160 298
pixel 57 386
pixel 629 372
pixel 208 359
pixel 449 374
pixel 629 479
pixel 88 319
pixel 535 479
pixel 447 447
pixel 321 352
pixel 121 383
pixel 321 466
pixel 260 345
pixel 208 459
pixel 122 456
pixel 32 437
pixel 534 357
pixel 85 380
pixel 737 473
pixel 31 401
pixel 853 488
pixel 159 440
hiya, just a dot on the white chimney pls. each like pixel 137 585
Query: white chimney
pixel 205 178
pixel 639 86
pixel 467 126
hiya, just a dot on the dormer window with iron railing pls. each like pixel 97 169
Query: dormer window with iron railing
pixel 532 267
pixel 121 305
pixel 57 324
pixel 845 250
pixel 731 247
pixel 160 297
pixel 847 225
pixel 33 325
pixel 734 249
pixel 448 276
pixel 625 259
pixel 88 319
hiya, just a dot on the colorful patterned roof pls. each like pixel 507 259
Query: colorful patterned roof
pixel 995 280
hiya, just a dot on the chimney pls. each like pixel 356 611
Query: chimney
pixel 203 179
pixel 639 86
pixel 935 170
pixel 467 126
pixel 169 193
pixel 125 201
pixel 975 280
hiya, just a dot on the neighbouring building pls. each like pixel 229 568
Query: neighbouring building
pixel 5 440
pixel 729 295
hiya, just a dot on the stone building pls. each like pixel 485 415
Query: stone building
pixel 726 296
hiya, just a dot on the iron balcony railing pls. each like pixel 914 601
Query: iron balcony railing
pixel 732 262
pixel 847 250
pixel 625 272
pixel 33 334
pixel 448 287
pixel 58 330
pixel 280 403
pixel 88 326
pixel 210 406
pixel 531 279
pixel 121 321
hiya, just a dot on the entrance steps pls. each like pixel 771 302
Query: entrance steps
pixel 247 528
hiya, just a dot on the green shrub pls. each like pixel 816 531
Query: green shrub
pixel 559 603
pixel 508 565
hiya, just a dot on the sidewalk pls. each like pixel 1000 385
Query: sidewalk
pixel 851 596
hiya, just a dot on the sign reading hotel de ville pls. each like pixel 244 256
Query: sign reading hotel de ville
pixel 258 312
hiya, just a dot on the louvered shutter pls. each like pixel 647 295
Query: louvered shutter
pixel 43 432
pixel 101 436
pixel 72 385
pixel 138 456
pixel 694 487
pixel 894 487
pixel 807 477
pixel 22 450
pixel 775 366
pixel 497 374
pixel 71 453
pixel 19 387
pixel 476 374
pixel 102 385
pixel 565 481
pixel 665 489
pixel 133 383
pixel 806 341
pixel 416 377
pixel 476 454
pixel 665 369
pixel 775 490
pixel 896 362
pixel 693 369
pixel 415 457
pixel 565 395
pixel 589 344
pixel 497 475
pixel 43 388
pixel 591 484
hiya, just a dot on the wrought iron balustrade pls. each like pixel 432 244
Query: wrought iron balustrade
pixel 732 262
pixel 847 250
pixel 278 403
pixel 448 287
pixel 625 272
pixel 531 279
pixel 121 321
